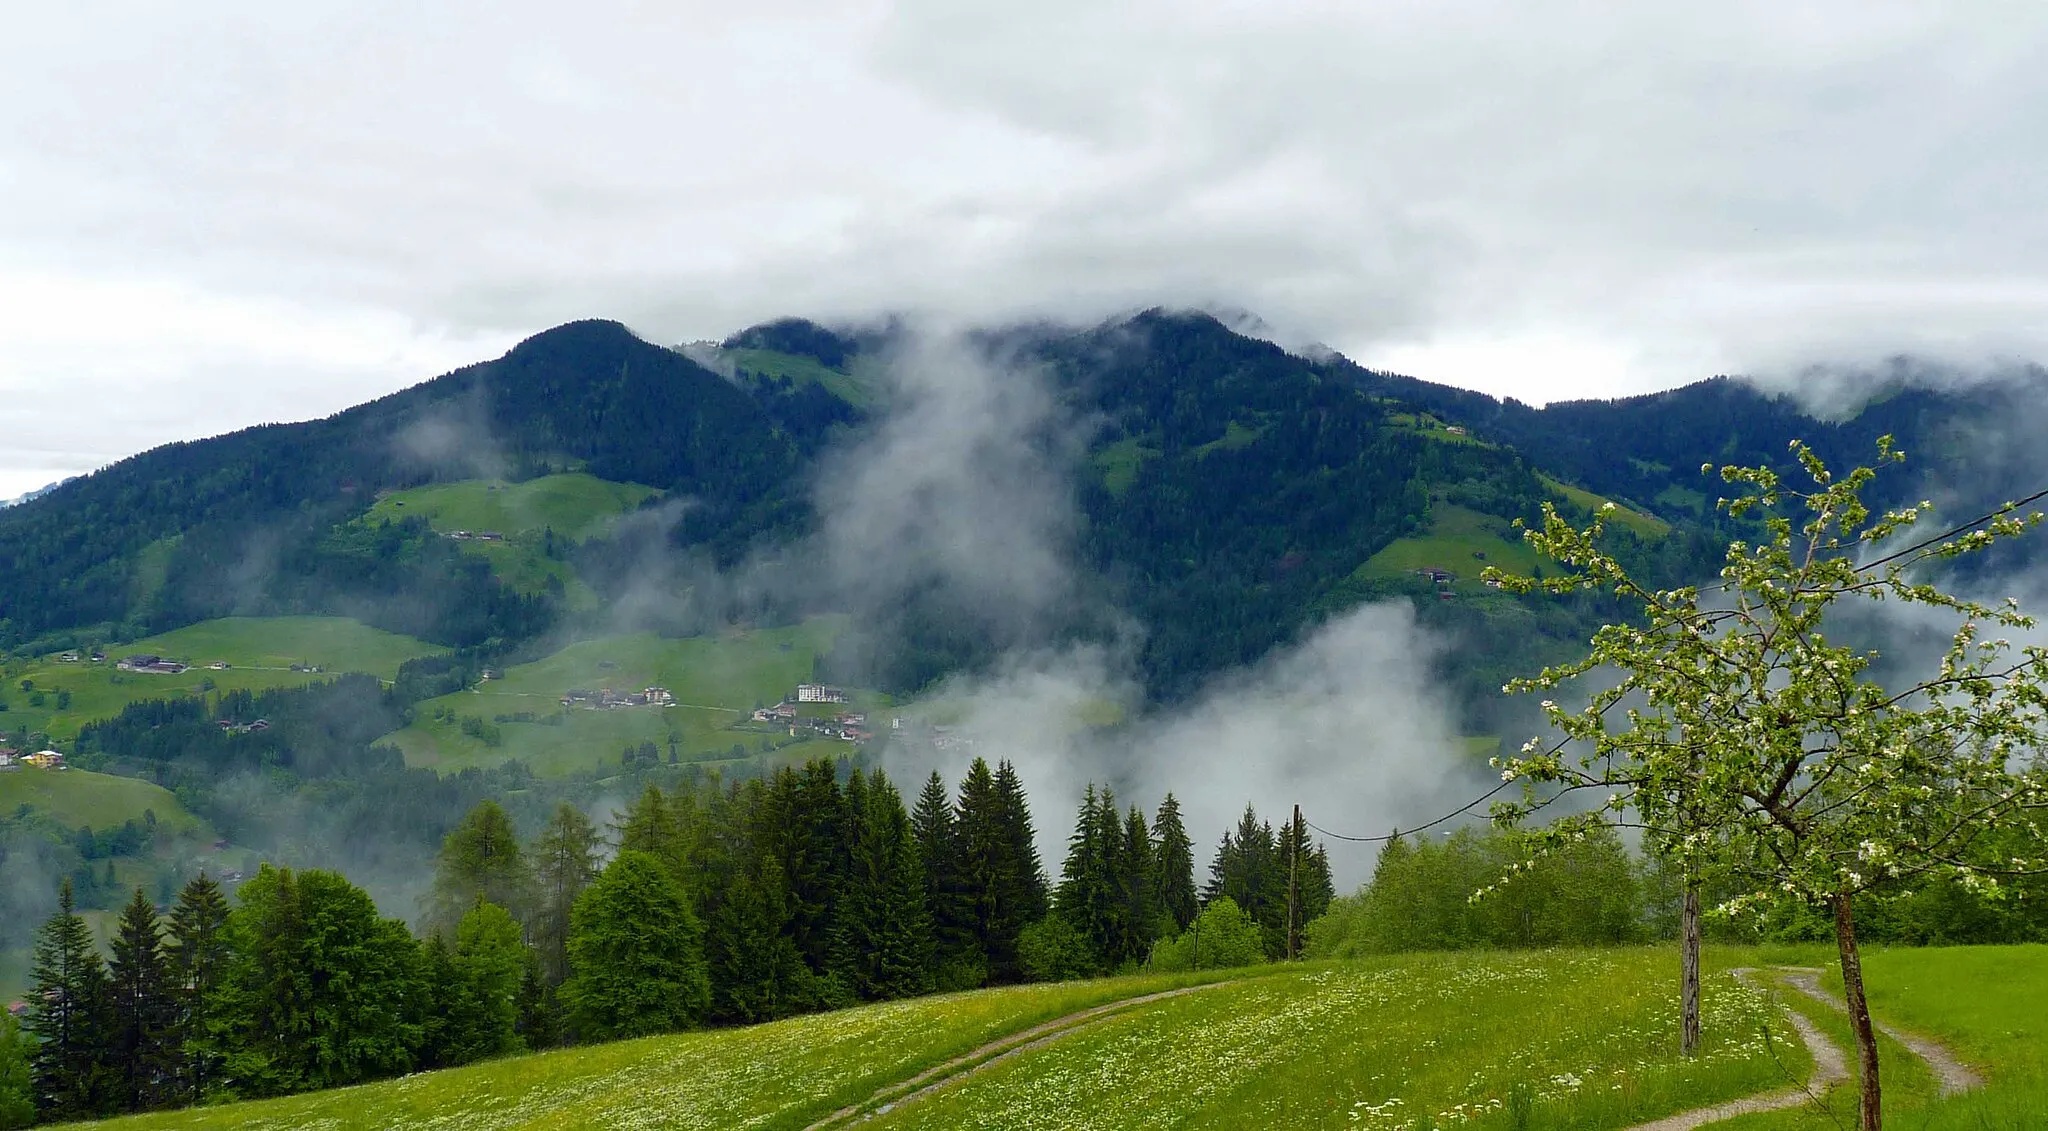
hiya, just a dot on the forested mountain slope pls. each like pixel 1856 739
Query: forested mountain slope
pixel 1229 493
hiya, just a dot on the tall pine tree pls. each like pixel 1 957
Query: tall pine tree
pixel 198 957
pixel 1137 888
pixel 959 962
pixel 884 938
pixel 1173 865
pixel 142 1055
pixel 71 1015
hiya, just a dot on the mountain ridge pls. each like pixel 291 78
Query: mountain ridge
pixel 1230 495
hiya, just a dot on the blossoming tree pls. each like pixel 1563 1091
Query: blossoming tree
pixel 1747 743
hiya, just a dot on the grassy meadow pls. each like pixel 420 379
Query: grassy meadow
pixel 1584 1039
pixel 260 650
pixel 1587 1039
pixel 78 797
pixel 802 370
pixel 777 1077
pixel 1461 540
pixel 717 682
pixel 573 505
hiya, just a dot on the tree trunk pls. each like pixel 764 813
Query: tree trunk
pixel 1870 1116
pixel 1689 975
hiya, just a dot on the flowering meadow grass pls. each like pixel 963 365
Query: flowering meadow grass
pixel 1573 1039
pixel 777 1076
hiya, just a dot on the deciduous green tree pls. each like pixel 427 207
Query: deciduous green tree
pixel 637 950
pixel 480 859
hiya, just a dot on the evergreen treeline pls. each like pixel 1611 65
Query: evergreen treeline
pixel 813 888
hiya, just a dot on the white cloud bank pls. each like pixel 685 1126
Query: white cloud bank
pixel 224 212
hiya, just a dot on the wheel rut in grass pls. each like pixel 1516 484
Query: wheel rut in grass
pixel 994 1052
pixel 1953 1075
pixel 1830 1063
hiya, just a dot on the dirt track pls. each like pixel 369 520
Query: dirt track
pixel 995 1052
pixel 1830 1064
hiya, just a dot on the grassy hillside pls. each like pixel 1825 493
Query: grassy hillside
pixel 571 506
pixel 1587 1036
pixel 77 797
pixel 777 1076
pixel 1387 1044
pixel 259 650
pixel 574 505
pixel 717 682
pixel 800 370
pixel 1460 540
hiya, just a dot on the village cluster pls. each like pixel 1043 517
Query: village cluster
pixel 847 726
pixel 606 699
pixel 12 759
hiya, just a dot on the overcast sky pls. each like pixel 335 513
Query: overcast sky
pixel 214 214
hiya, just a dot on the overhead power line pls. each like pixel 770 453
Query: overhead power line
pixel 1450 816
pixel 1885 560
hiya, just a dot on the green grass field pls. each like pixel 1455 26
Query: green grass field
pixel 1460 540
pixel 261 651
pixel 805 371
pixel 574 505
pixel 717 682
pixel 78 797
pixel 1586 1037
pixel 1634 520
pixel 1118 463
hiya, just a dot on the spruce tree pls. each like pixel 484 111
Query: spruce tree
pixel 1248 871
pixel 198 956
pixel 564 863
pixel 1087 897
pixel 446 1003
pixel 884 936
pixel 806 835
pixel 1137 888
pixel 480 859
pixel 144 1010
pixel 1173 864
pixel 755 970
pixel 959 962
pixel 1019 892
pixel 71 1015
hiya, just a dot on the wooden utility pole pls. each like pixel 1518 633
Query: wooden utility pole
pixel 1293 880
